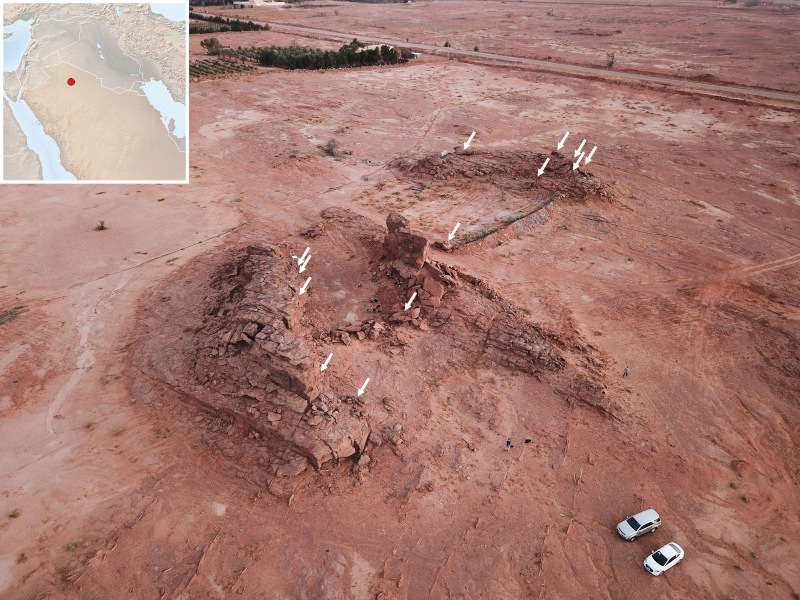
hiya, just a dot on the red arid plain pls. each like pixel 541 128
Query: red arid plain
pixel 166 429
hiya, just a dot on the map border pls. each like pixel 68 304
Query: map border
pixel 106 181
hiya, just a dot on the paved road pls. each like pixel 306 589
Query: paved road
pixel 542 63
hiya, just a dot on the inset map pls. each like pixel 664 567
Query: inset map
pixel 94 92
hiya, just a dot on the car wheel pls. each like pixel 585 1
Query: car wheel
pixel 654 529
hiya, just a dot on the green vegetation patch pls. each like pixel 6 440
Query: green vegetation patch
pixel 217 66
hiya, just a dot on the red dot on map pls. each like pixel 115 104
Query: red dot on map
pixel 70 81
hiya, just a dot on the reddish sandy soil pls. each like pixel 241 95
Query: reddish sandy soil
pixel 687 274
pixel 696 39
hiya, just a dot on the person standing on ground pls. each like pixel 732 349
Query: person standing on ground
pixel 508 444
pixel 625 372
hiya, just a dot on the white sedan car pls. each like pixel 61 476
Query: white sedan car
pixel 664 558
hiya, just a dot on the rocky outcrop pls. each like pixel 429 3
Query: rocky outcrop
pixel 406 249
pixel 252 360
pixel 508 170
pixel 237 344
pixel 521 346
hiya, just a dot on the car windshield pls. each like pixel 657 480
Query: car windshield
pixel 633 523
pixel 660 558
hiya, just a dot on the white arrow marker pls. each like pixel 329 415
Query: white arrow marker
pixel 575 165
pixel 299 260
pixel 589 158
pixel 467 143
pixel 363 387
pixel 578 151
pixel 408 304
pixel 305 264
pixel 327 360
pixel 543 166
pixel 303 289
pixel 453 233
pixel 561 143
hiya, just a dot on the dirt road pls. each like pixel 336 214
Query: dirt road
pixel 550 65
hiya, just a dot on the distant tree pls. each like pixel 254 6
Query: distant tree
pixel 211 45
pixel 610 59
pixel 475 49
pixel 447 45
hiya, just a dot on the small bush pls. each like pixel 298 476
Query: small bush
pixel 90 425
pixel 101 226
pixel 73 545
pixel 332 146
pixel 119 430
pixel 22 557
pixel 447 45
pixel 475 49
pixel 746 498
pixel 15 513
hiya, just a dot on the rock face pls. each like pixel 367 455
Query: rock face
pixel 407 249
pixel 256 322
pixel 252 361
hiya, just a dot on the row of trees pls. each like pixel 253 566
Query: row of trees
pixel 208 28
pixel 354 54
pixel 234 24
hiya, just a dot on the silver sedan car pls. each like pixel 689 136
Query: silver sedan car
pixel 639 524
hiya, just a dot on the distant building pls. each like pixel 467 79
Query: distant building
pixel 255 3
pixel 375 47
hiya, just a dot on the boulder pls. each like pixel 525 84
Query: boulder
pixel 395 221
pixel 407 249
pixel 433 287
pixel 294 466
pixel 375 331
